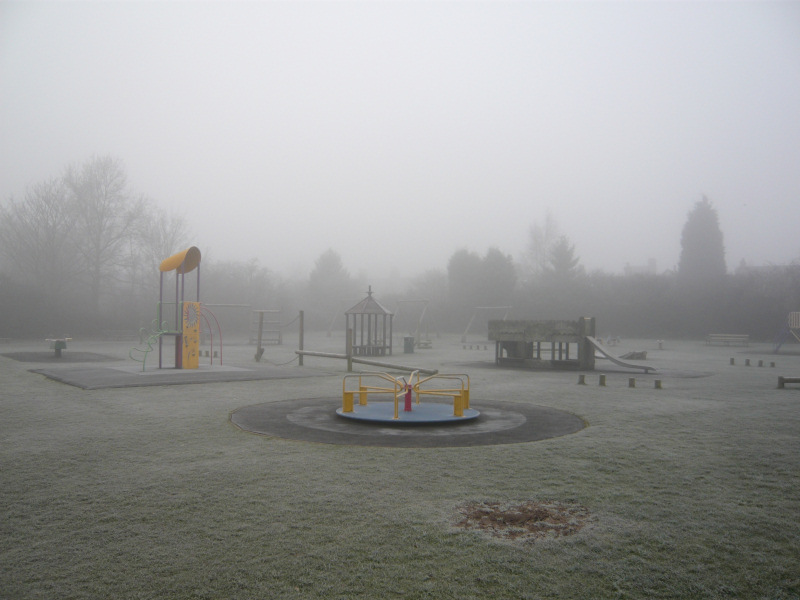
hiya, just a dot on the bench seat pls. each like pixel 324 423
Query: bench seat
pixel 728 339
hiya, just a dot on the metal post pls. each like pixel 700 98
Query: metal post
pixel 301 338
pixel 158 325
pixel 349 350
pixel 259 349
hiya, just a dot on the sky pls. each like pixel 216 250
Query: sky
pixel 397 133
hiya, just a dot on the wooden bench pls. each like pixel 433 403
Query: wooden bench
pixel 782 381
pixel 728 339
pixel 58 344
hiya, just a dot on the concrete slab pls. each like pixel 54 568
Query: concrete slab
pixel 90 377
pixel 50 357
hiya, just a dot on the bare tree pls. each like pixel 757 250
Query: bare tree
pixel 162 235
pixel 38 237
pixel 541 238
pixel 107 216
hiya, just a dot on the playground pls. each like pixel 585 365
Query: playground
pixel 142 483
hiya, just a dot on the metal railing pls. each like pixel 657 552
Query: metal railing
pixel 400 387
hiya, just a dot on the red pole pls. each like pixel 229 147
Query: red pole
pixel 408 398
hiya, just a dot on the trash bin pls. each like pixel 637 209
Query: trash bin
pixel 408 345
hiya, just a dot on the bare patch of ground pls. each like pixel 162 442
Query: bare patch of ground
pixel 524 522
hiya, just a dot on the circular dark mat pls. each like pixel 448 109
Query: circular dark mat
pixel 315 420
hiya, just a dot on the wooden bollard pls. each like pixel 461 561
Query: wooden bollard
pixel 746 362
pixel 602 380
pixel 658 384
pixel 632 382
pixel 733 362
pixel 772 365
pixel 761 363
pixel 581 379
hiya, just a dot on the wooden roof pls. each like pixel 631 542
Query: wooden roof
pixel 368 306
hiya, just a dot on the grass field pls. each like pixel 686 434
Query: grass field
pixel 693 490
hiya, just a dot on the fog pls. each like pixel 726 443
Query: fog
pixel 399 132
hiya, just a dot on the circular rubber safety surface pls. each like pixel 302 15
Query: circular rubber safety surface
pixel 315 420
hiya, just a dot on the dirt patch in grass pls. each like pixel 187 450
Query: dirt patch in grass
pixel 524 522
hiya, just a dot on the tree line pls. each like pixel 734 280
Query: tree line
pixel 79 251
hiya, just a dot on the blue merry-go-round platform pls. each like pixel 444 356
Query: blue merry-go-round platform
pixel 420 414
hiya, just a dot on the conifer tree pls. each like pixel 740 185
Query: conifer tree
pixel 702 260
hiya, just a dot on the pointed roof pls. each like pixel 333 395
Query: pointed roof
pixel 368 306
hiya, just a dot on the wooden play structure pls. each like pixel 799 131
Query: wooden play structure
pixel 544 344
pixel 551 345
pixel 790 329
pixel 368 335
pixel 371 324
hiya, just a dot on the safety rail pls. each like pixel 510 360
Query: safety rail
pixel 348 396
pixel 400 387
pixel 150 339
pixel 204 312
pixel 459 394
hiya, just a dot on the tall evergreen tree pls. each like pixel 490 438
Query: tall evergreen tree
pixel 498 278
pixel 463 278
pixel 702 260
pixel 562 262
pixel 331 290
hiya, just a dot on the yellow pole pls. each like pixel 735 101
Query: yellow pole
pixel 347 401
pixel 458 405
